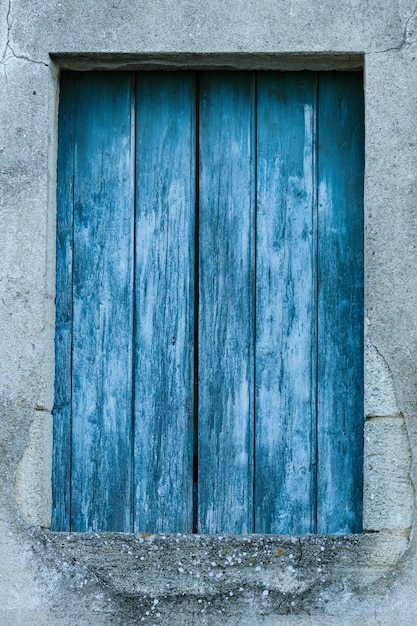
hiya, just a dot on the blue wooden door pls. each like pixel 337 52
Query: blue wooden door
pixel 209 338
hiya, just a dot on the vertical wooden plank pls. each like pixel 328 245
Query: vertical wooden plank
pixel 226 304
pixel 340 305
pixel 164 335
pixel 61 460
pixel 285 304
pixel 103 303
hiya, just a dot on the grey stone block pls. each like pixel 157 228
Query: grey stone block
pixel 388 490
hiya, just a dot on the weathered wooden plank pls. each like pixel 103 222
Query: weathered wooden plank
pixel 61 459
pixel 103 303
pixel 340 303
pixel 164 335
pixel 226 303
pixel 285 453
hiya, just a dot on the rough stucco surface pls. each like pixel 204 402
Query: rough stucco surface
pixel 105 579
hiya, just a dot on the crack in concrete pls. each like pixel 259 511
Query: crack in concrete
pixel 407 34
pixel 400 413
pixel 395 49
pixel 25 58
pixel 371 417
pixel 411 475
pixel 9 26
pixel 391 377
pixel 8 46
pixel 406 37
pixel 300 558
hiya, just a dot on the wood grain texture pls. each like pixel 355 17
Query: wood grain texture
pixel 103 299
pixel 226 303
pixel 244 200
pixel 164 336
pixel 340 304
pixel 61 459
pixel 285 481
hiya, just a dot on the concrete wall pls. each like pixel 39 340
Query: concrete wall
pixel 50 579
